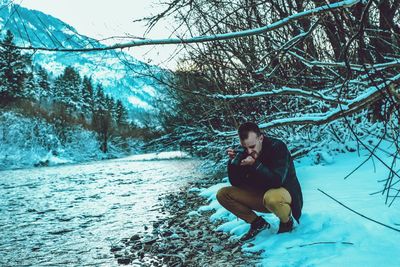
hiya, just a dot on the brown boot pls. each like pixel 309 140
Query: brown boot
pixel 256 227
pixel 287 226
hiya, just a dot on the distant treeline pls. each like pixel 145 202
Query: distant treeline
pixel 64 100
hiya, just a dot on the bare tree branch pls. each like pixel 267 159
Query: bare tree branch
pixel 281 91
pixel 370 96
pixel 207 38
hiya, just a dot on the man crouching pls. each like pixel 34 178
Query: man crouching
pixel 263 179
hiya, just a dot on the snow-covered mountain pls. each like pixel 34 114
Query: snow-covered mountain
pixel 122 76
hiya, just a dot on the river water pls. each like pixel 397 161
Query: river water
pixel 71 215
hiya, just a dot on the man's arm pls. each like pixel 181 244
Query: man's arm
pixel 276 176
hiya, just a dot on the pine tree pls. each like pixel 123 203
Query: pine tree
pixel 13 69
pixel 109 101
pixel 42 85
pixel 42 80
pixel 100 100
pixel 57 90
pixel 87 94
pixel 121 113
pixel 68 90
pixel 102 124
pixel 101 119
pixel 30 87
pixel 72 87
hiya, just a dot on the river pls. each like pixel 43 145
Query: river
pixel 71 215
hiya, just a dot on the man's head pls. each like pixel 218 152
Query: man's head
pixel 251 138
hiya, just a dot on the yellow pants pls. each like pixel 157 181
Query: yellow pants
pixel 243 202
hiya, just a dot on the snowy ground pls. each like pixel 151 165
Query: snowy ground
pixel 349 239
pixel 26 142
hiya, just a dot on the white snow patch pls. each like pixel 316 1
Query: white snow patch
pixel 193 213
pixel 328 233
pixel 194 190
pixel 149 89
pixel 140 103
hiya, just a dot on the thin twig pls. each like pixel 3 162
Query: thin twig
pixel 388 226
pixel 322 242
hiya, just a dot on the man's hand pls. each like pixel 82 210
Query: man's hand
pixel 231 153
pixel 254 155
pixel 248 161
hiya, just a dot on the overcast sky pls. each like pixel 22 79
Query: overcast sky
pixel 101 19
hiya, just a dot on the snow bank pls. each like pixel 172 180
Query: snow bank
pixel 27 142
pixel 328 234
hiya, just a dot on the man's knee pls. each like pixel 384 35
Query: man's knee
pixel 223 194
pixel 272 199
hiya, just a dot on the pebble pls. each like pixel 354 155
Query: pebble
pixel 216 248
pixel 116 248
pixel 124 260
pixel 135 237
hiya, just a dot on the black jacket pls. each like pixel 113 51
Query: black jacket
pixel 273 168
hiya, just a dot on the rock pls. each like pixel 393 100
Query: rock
pixel 197 244
pixel 137 245
pixel 60 232
pixel 118 255
pixel 214 240
pixel 174 236
pixel 188 221
pixel 224 236
pixel 116 248
pixel 146 247
pixel 181 203
pixel 149 239
pixel 135 237
pixel 216 248
pixel 235 249
pixel 125 240
pixel 124 260
pixel 42 163
pixel 35 249
pixel 167 233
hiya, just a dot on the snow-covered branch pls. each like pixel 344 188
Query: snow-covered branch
pixel 371 95
pixel 207 38
pixel 355 67
pixel 282 91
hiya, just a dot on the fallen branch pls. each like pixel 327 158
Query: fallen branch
pixel 322 242
pixel 207 38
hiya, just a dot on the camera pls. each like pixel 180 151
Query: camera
pixel 240 155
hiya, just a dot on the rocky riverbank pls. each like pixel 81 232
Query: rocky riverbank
pixel 184 238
